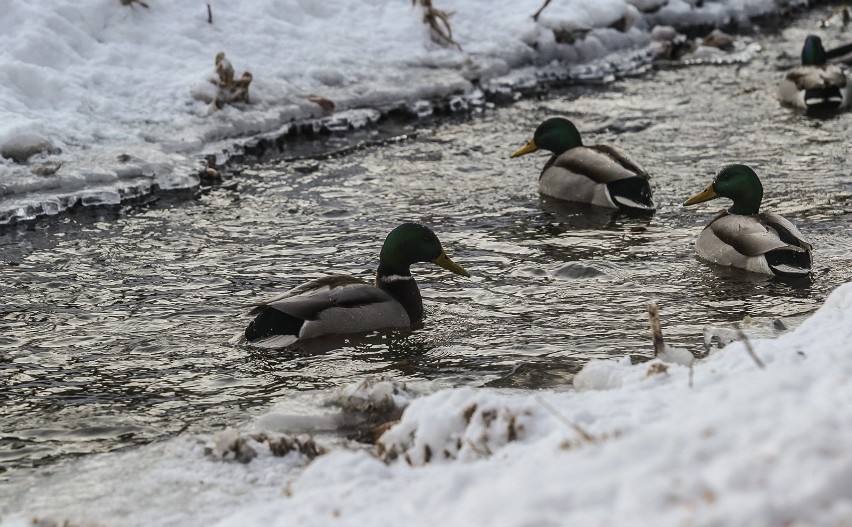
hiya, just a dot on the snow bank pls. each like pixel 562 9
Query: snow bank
pixel 86 84
pixel 744 445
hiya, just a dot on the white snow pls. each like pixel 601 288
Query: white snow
pixel 744 445
pixel 83 82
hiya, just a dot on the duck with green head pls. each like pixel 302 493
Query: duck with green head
pixel 744 237
pixel 601 175
pixel 816 84
pixel 342 304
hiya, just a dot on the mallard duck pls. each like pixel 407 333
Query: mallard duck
pixel 815 85
pixel 599 174
pixel 342 304
pixel 761 242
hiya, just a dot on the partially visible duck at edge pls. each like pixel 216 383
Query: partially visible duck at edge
pixel 816 85
pixel 600 175
pixel 744 237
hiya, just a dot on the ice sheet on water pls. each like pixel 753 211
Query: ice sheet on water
pixel 29 195
pixel 179 178
pixel 94 198
pixel 421 108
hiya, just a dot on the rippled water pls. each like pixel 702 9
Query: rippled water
pixel 114 325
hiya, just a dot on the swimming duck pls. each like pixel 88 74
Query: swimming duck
pixel 602 175
pixel 761 242
pixel 341 304
pixel 815 85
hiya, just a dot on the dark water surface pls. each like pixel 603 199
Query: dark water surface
pixel 114 325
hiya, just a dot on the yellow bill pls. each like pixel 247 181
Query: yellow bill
pixel 705 195
pixel 444 261
pixel 526 149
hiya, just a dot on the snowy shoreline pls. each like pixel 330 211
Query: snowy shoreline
pixel 101 101
pixel 731 443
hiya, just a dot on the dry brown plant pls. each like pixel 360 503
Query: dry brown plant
pixel 130 2
pixel 230 89
pixel 439 22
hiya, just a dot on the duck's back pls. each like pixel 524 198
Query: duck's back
pixel 601 175
pixel 816 87
pixel 338 304
pixel 763 243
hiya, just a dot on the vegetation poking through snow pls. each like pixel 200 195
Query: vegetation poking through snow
pixel 749 349
pixel 439 23
pixel 327 105
pixel 474 430
pixel 656 330
pixel 379 400
pixel 232 445
pixel 229 88
pixel 131 2
pixel 540 9
pixel 674 46
pixel 381 396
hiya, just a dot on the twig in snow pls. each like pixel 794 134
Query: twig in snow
pixel 656 330
pixel 540 9
pixel 691 365
pixel 749 348
pixel 224 70
pixel 209 14
pixel 577 428
pixel 327 105
pixel 130 2
pixel 657 336
pixel 439 22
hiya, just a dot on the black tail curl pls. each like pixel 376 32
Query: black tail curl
pixel 271 322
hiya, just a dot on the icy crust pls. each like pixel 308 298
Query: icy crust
pixel 183 482
pixel 84 83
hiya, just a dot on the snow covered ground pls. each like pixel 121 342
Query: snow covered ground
pixel 739 444
pixel 102 102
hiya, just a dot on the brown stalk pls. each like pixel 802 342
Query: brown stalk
pixel 439 22
pixel 656 329
pixel 540 9
pixel 577 428
pixel 749 348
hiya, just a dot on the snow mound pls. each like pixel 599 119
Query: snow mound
pixel 376 395
pixel 472 425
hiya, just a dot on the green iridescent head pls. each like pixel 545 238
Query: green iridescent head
pixel 813 54
pixel 738 183
pixel 556 134
pixel 410 243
